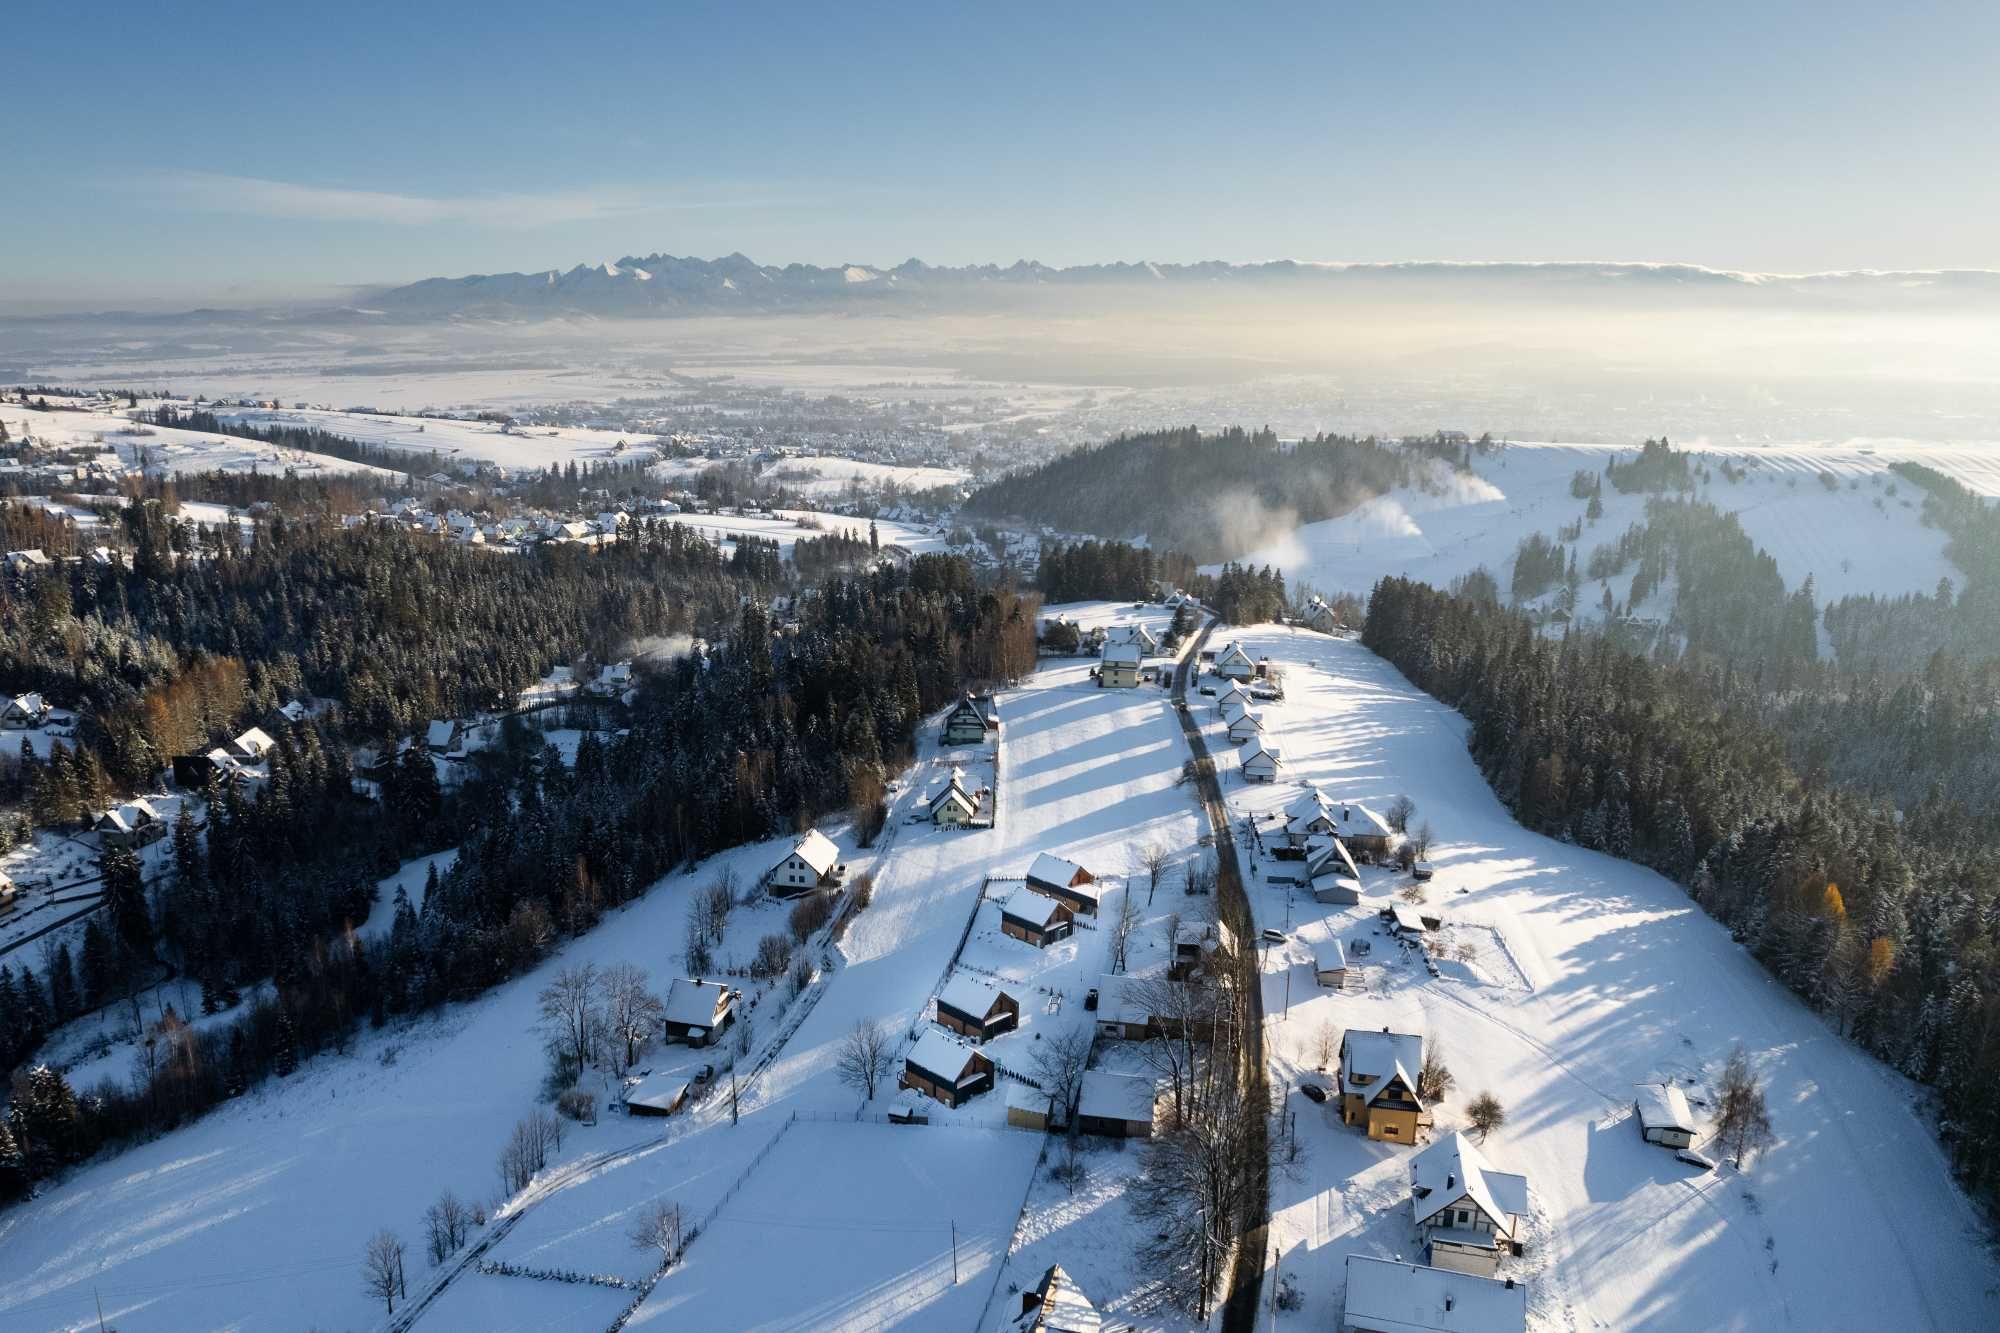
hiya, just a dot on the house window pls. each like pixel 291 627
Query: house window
pixel 1465 1217
pixel 1389 1131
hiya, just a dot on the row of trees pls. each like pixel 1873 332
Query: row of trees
pixel 1115 571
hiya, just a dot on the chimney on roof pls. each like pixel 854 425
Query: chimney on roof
pixel 1451 1182
pixel 1447 1303
pixel 1510 1284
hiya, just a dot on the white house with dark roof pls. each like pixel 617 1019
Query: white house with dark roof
pixel 1390 1296
pixel 698 1011
pixel 813 863
pixel 1468 1214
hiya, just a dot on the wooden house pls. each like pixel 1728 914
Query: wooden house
pixel 1468 1215
pixel 813 863
pixel 132 825
pixel 1378 1084
pixel 24 710
pixel 698 1011
pixel 966 723
pixel 1664 1116
pixel 658 1095
pixel 1056 1305
pixel 1118 1106
pixel 946 1070
pixel 1118 667
pixel 1390 1296
pixel 1260 761
pixel 972 1008
pixel 1035 918
pixel 1029 1107
pixel 1065 881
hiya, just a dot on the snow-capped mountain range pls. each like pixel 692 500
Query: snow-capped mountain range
pixel 663 284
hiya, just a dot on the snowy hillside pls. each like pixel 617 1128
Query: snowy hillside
pixel 1584 976
pixel 1856 538
pixel 166 448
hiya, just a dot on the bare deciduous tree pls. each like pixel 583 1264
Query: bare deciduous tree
pixel 864 1057
pixel 382 1268
pixel 571 1016
pixel 527 1150
pixel 1059 1065
pixel 1434 1080
pixel 1486 1114
pixel 631 1011
pixel 1325 1045
pixel 659 1230
pixel 1156 859
pixel 717 901
pixel 1421 840
pixel 1121 927
pixel 1743 1124
pixel 446 1225
pixel 1399 812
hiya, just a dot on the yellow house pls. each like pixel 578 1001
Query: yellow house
pixel 1378 1084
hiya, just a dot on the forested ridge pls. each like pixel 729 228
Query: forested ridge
pixel 1890 926
pixel 765 731
pixel 1201 494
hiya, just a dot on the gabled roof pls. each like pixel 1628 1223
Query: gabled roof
pixel 1233 653
pixel 695 1003
pixel 936 1053
pixel 1247 720
pixel 1378 1055
pixel 817 851
pixel 1037 909
pixel 1331 858
pixel 440 732
pixel 1116 1096
pixel 951 793
pixel 1310 803
pixel 969 995
pixel 1351 819
pixel 1047 869
pixel 1122 654
pixel 1407 918
pixel 254 742
pixel 1664 1106
pixel 1329 956
pixel 1260 749
pixel 1395 1297
pixel 1059 1307
pixel 1452 1169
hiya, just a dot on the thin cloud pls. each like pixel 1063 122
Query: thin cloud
pixel 218 192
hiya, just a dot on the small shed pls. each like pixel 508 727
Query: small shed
pixel 658 1094
pixel 1119 1106
pixel 1664 1116
pixel 1057 1305
pixel 1330 963
pixel 1028 1107
pixel 908 1109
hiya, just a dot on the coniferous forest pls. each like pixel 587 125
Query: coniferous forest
pixel 1888 924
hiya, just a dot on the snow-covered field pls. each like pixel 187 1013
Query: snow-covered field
pixel 168 448
pixel 833 475
pixel 1592 975
pixel 518 448
pixel 1854 540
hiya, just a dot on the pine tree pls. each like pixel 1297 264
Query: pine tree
pixel 285 1058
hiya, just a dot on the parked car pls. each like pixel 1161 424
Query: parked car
pixel 1313 1091
pixel 1208 690
pixel 1273 936
pixel 1090 999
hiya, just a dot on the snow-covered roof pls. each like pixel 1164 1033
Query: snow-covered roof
pixel 1047 869
pixel 968 994
pixel 1260 750
pixel 1664 1106
pixel 1059 1306
pixel 1248 721
pixel 1453 1168
pixel 660 1092
pixel 1407 918
pixel 1377 1055
pixel 1233 653
pixel 254 742
pixel 1331 858
pixel 1116 1096
pixel 695 1003
pixel 1122 654
pixel 817 850
pixel 1351 819
pixel 1329 956
pixel 1394 1297
pixel 438 734
pixel 1038 909
pixel 937 1053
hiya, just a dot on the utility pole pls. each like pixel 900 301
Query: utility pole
pixel 954 1251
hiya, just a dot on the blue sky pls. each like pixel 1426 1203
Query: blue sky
pixel 221 151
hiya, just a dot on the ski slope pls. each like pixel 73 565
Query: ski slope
pixel 1589 975
pixel 1857 539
